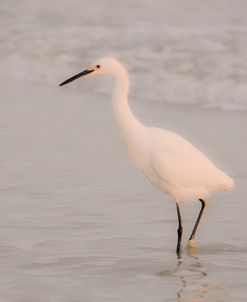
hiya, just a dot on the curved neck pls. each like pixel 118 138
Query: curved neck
pixel 128 124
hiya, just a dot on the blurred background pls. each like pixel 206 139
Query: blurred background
pixel 77 221
pixel 195 50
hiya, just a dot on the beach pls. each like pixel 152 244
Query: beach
pixel 78 221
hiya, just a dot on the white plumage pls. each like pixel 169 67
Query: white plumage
pixel 170 162
pixel 181 170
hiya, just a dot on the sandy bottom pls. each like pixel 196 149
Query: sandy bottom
pixel 80 223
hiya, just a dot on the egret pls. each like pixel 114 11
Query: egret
pixel 171 163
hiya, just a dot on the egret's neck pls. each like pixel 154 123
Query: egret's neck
pixel 125 119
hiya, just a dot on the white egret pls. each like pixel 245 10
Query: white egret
pixel 170 162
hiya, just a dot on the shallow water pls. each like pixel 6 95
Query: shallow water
pixel 77 221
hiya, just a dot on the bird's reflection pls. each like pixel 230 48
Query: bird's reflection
pixel 193 277
pixel 194 282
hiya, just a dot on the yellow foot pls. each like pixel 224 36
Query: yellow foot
pixel 191 244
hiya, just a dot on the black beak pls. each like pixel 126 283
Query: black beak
pixel 81 74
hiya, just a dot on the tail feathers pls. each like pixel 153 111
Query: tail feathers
pixel 228 183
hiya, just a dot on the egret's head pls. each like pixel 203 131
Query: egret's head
pixel 103 66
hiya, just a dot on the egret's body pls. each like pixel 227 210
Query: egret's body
pixel 169 161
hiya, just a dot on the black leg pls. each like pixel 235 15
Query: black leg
pixel 180 230
pixel 191 242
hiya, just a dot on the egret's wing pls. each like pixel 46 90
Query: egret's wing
pixel 179 163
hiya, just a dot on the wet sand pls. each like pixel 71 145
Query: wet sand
pixel 80 223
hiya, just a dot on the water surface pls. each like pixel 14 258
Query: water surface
pixel 77 221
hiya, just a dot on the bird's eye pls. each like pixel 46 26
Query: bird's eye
pixel 97 66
